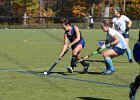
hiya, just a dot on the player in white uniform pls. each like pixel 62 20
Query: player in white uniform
pixel 122 23
pixel 117 46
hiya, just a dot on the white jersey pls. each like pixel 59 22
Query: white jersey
pixel 120 23
pixel 91 19
pixel 111 33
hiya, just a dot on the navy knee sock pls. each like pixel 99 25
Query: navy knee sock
pixel 84 63
pixel 137 81
pixel 73 61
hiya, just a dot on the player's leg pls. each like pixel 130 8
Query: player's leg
pixel 91 25
pixel 85 65
pixel 109 64
pixel 128 51
pixel 79 48
pixel 75 51
pixel 134 87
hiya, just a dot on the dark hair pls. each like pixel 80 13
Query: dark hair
pixel 65 21
pixel 107 22
pixel 123 12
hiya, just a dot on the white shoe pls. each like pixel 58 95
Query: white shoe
pixel 70 70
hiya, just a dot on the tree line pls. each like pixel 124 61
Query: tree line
pixel 67 8
pixel 76 8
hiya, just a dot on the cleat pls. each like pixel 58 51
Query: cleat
pixel 108 72
pixel 130 61
pixel 70 70
pixel 132 92
pixel 85 70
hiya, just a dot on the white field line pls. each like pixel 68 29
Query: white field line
pixel 33 42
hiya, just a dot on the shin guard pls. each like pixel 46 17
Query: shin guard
pixel 73 61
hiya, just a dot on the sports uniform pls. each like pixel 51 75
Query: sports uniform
pixel 119 48
pixel 120 25
pixel 72 37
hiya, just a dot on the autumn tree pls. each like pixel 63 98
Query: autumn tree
pixel 28 7
pixel 133 7
pixel 80 8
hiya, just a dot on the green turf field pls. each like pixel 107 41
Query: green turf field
pixel 25 54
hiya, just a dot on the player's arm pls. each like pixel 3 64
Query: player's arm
pixel 106 41
pixel 77 35
pixel 116 40
pixel 65 46
pixel 129 23
pixel 113 24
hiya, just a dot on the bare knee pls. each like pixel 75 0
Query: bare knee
pixel 105 54
pixel 74 52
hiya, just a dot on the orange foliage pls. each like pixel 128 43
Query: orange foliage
pixel 79 9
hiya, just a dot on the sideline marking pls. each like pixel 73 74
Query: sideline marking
pixel 65 78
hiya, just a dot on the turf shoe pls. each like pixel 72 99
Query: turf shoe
pixel 85 70
pixel 130 61
pixel 70 70
pixel 132 92
pixel 108 72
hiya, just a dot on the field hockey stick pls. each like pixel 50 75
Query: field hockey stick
pixel 89 55
pixel 56 62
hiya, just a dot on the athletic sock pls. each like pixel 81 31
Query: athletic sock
pixel 128 52
pixel 84 63
pixel 73 61
pixel 109 63
pixel 137 81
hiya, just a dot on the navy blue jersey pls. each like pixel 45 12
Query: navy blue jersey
pixel 72 36
pixel 136 52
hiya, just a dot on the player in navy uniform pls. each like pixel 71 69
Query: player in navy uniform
pixel 134 86
pixel 77 43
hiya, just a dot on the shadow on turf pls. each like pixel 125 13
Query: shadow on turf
pixel 61 73
pixel 91 98
pixel 102 61
pixel 74 73
pixel 96 73
pixel 120 61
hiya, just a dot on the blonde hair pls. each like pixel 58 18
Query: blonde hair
pixel 107 22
